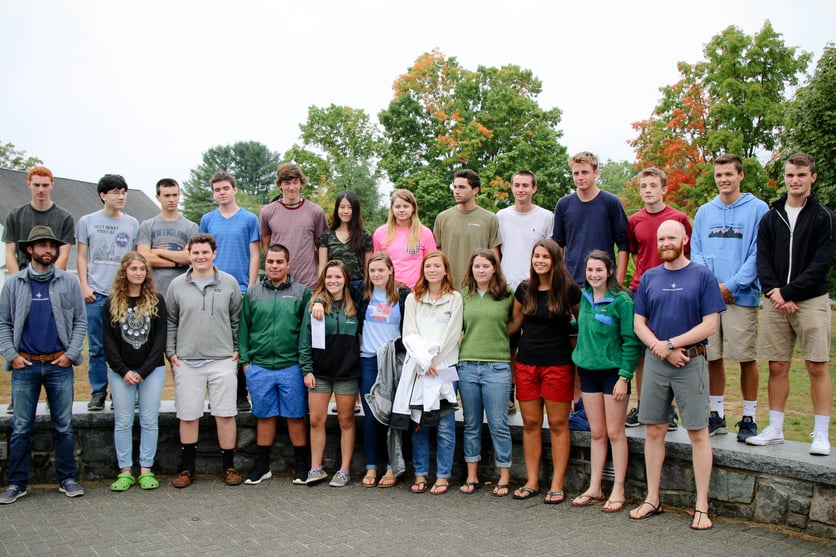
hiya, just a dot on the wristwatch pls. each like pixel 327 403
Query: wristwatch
pixel 670 345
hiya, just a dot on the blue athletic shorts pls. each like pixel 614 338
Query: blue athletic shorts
pixel 277 392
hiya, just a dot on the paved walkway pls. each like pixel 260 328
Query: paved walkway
pixel 277 518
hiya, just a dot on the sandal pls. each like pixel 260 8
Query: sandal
pixel 439 489
pixel 657 509
pixel 554 498
pixel 613 506
pixel 469 488
pixel 388 480
pixel 148 481
pixel 524 493
pixel 587 500
pixel 123 482
pixel 500 490
pixel 370 479
pixel 420 486
pixel 698 518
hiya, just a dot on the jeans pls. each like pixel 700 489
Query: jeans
pixel 444 451
pixel 26 388
pixel 374 433
pixel 97 366
pixel 124 395
pixel 486 386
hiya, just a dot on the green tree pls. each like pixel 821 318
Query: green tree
pixel 617 177
pixel 251 163
pixel 445 117
pixel 732 101
pixel 15 159
pixel 338 152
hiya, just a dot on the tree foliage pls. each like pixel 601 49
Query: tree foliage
pixel 16 159
pixel 338 152
pixel 251 163
pixel 732 101
pixel 618 178
pixel 444 117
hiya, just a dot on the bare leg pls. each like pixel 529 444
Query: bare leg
pixel 227 431
pixel 188 431
pixel 654 457
pixel 749 379
pixel 345 415
pixel 702 458
pixel 561 439
pixel 297 432
pixel 532 414
pixel 266 431
pixel 779 385
pixel 717 377
pixel 821 389
pixel 614 410
pixel 318 406
pixel 593 403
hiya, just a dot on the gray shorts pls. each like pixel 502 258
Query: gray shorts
pixel 338 386
pixel 662 382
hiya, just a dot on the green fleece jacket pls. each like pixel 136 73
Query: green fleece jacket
pixel 605 334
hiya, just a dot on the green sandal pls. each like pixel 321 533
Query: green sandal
pixel 148 481
pixel 123 482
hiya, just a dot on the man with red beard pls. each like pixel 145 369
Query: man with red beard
pixel 676 310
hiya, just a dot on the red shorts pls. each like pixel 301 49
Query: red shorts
pixel 555 383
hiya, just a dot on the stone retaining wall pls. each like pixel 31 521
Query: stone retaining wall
pixel 780 485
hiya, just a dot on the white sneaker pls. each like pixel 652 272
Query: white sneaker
pixel 769 436
pixel 820 445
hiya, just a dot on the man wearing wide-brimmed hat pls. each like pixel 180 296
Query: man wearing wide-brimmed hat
pixel 42 326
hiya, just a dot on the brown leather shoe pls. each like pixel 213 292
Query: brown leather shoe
pixel 232 477
pixel 183 479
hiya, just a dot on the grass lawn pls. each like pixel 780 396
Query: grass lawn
pixel 798 420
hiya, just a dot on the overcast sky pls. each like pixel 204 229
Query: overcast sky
pixel 144 88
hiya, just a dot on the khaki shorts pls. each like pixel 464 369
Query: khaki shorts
pixel 191 383
pixel 736 338
pixel 810 324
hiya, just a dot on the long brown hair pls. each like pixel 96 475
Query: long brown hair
pixel 498 287
pixel 391 288
pixel 147 302
pixel 414 222
pixel 321 293
pixel 422 286
pixel 559 280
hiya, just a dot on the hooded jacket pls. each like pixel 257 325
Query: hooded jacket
pixel 725 240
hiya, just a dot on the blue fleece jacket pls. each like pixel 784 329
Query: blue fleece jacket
pixel 725 240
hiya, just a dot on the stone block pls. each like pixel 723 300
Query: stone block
pixel 799 505
pixel 771 501
pixel 732 486
pixel 797 520
pixel 823 505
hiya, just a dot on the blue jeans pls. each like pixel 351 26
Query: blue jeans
pixel 486 386
pixel 124 395
pixel 26 388
pixel 97 364
pixel 444 450
pixel 373 431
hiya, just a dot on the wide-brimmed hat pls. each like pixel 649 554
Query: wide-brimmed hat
pixel 39 233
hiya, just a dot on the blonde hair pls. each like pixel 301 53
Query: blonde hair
pixel 146 305
pixel 414 222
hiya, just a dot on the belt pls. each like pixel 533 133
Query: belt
pixel 42 357
pixel 698 350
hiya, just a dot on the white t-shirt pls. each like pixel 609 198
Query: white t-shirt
pixel 520 231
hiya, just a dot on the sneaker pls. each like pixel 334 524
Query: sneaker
pixel 257 476
pixel 716 425
pixel 746 428
pixel 632 419
pixel 183 479
pixel 820 445
pixel 232 477
pixel 12 494
pixel 339 480
pixel 315 476
pixel 300 475
pixel 673 420
pixel 243 404
pixel 97 403
pixel 70 488
pixel 769 436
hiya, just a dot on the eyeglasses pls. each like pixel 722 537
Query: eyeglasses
pixel 118 193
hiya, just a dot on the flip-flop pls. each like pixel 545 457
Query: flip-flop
pixel 439 489
pixel 495 492
pixel 698 517
pixel 656 510
pixel 587 500
pixel 469 488
pixel 419 487
pixel 148 481
pixel 388 480
pixel 370 480
pixel 613 506
pixel 554 498
pixel 124 482
pixel 524 493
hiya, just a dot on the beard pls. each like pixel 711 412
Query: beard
pixel 45 259
pixel 670 254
